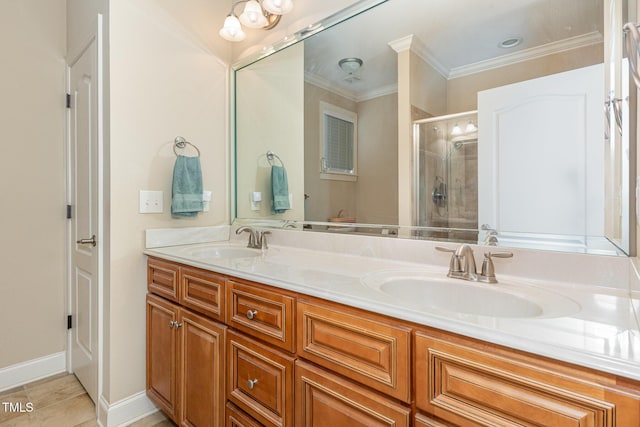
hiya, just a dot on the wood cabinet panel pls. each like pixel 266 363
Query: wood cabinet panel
pixel 203 368
pixel 424 421
pixel 236 418
pixel 162 279
pixel 326 400
pixel 260 380
pixel 203 292
pixel 163 356
pixel 261 313
pixel 373 352
pixel 469 386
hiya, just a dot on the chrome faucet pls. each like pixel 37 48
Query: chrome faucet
pixel 463 264
pixel 257 239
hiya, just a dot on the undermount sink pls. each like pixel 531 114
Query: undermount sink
pixel 223 252
pixel 427 291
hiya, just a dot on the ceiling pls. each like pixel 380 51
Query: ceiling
pixel 456 37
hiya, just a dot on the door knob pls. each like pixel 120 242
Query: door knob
pixel 91 241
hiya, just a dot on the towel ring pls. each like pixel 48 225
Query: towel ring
pixel 182 143
pixel 271 156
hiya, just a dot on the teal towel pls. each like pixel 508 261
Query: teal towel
pixel 279 190
pixel 186 194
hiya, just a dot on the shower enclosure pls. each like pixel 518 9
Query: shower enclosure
pixel 446 180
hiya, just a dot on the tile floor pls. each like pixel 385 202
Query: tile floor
pixel 57 401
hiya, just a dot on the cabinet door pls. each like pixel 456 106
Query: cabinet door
pixel 260 380
pixel 468 386
pixel 202 373
pixel 325 400
pixel 369 350
pixel 163 355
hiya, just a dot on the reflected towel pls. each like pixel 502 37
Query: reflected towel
pixel 186 193
pixel 279 190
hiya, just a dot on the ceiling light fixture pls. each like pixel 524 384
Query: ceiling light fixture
pixel 263 14
pixel 350 66
pixel 510 42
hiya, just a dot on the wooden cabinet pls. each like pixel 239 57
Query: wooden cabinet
pixel 369 349
pixel 202 371
pixel 163 355
pixel 185 364
pixel 262 313
pixel 260 380
pixel 326 400
pixel 293 360
pixel 465 383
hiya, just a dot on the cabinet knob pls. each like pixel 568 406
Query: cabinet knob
pixel 172 324
pixel 252 383
pixel 251 314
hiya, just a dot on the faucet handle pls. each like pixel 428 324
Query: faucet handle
pixel 454 264
pixel 263 239
pixel 488 274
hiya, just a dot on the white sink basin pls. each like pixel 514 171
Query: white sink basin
pixel 427 291
pixel 222 252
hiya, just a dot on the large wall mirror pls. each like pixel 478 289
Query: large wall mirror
pixel 493 122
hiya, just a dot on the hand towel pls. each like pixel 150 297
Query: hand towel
pixel 186 193
pixel 279 190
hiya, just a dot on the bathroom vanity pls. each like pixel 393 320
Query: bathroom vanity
pixel 298 337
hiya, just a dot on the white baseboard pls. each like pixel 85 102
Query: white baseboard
pixel 125 411
pixel 32 370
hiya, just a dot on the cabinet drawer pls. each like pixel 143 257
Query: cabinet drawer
pixel 467 386
pixel 236 418
pixel 367 350
pixel 162 279
pixel 202 291
pixel 260 381
pixel 324 399
pixel 261 313
pixel 424 421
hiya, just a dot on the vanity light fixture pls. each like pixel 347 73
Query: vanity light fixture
pixel 471 127
pixel 265 15
pixel 456 130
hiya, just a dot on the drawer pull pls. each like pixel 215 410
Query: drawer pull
pixel 252 383
pixel 251 314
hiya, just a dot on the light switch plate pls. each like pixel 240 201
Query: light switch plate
pixel 206 201
pixel 151 201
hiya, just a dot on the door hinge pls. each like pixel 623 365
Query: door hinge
pixel 69 321
pixel 68 100
pixel 68 211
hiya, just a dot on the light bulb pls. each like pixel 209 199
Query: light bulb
pixel 471 127
pixel 232 30
pixel 456 130
pixel 252 16
pixel 278 7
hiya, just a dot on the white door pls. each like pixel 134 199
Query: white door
pixel 83 194
pixel 540 149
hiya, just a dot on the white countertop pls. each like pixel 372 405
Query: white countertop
pixel 602 334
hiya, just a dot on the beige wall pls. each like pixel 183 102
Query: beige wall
pixel 373 197
pixel 276 80
pixel 377 189
pixel 32 179
pixel 326 196
pixel 166 80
